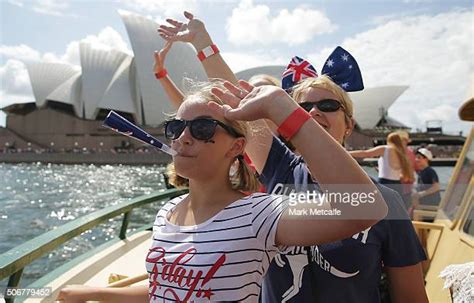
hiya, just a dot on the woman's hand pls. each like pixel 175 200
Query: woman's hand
pixel 184 32
pixel 250 103
pixel 160 57
pixel 76 293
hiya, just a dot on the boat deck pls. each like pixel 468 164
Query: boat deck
pixel 125 258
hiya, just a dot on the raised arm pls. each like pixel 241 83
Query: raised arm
pixel 328 162
pixel 369 153
pixel 173 92
pixel 194 31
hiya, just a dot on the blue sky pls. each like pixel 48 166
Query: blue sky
pixel 425 44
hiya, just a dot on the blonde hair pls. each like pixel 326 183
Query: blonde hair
pixel 395 140
pixel 325 82
pixel 244 178
pixel 266 78
pixel 175 179
pixel 403 135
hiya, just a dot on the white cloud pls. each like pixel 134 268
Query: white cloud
pixel 255 24
pixel 163 8
pixel 51 7
pixel 18 3
pixel 15 83
pixel 20 52
pixel 108 38
pixel 432 54
pixel 15 77
pixel 441 112
pixel 57 8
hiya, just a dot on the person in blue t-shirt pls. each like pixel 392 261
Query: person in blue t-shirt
pixel 343 271
pixel 428 189
pixel 347 270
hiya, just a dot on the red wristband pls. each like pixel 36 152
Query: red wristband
pixel 293 123
pixel 161 74
pixel 207 52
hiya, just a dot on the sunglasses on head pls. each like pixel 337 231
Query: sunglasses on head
pixel 200 128
pixel 326 105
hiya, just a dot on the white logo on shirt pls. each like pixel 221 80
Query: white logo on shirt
pixel 324 264
pixel 365 235
pixel 297 259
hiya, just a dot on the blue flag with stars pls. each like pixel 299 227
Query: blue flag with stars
pixel 343 69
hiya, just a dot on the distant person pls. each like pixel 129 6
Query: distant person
pixel 428 189
pixel 407 183
pixel 393 163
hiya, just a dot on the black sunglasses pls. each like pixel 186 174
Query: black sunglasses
pixel 200 128
pixel 326 105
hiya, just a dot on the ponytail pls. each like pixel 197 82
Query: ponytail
pixel 175 179
pixel 407 170
pixel 244 179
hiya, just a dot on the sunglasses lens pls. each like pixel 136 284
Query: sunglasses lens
pixel 174 128
pixel 328 105
pixel 307 106
pixel 203 129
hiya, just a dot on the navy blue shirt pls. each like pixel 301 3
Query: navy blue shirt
pixel 344 271
pixel 426 178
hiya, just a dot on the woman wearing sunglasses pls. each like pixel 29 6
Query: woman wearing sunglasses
pixel 344 271
pixel 216 243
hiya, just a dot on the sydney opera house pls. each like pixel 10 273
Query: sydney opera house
pixel 71 102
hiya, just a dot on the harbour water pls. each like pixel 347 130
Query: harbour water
pixel 35 198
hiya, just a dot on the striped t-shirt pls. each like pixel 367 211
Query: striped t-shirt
pixel 221 259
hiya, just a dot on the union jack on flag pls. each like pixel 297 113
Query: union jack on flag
pixel 297 70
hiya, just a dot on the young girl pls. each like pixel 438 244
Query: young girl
pixel 216 243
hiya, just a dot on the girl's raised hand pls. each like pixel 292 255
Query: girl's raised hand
pixel 179 31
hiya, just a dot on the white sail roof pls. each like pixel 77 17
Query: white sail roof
pixel 180 62
pixel 99 66
pixel 369 103
pixel 70 92
pixel 47 77
pixel 119 95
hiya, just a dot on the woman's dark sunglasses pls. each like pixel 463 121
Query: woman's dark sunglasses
pixel 201 128
pixel 326 105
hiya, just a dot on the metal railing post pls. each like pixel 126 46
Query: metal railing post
pixel 123 229
pixel 14 281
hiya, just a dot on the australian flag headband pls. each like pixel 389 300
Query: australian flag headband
pixel 340 66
